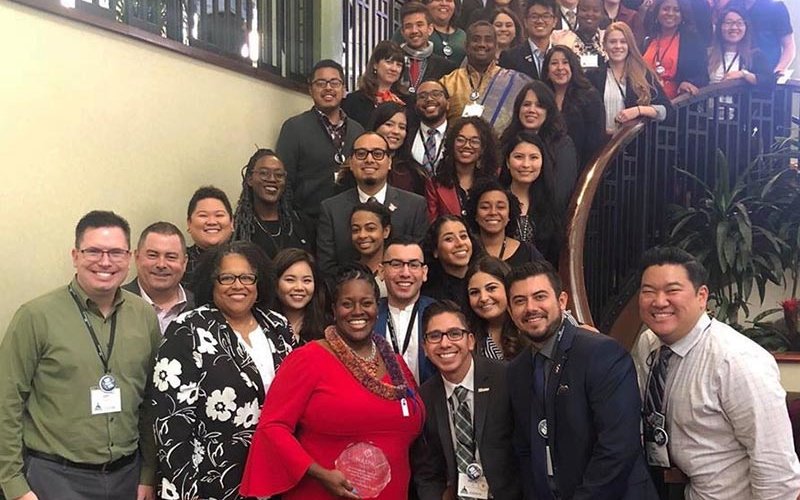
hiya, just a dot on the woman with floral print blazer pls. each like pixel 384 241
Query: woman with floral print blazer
pixel 212 372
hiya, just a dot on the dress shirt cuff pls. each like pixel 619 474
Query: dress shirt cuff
pixel 16 486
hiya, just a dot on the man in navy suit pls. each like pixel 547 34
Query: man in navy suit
pixel 527 57
pixel 400 313
pixel 370 164
pixel 575 400
pixel 465 448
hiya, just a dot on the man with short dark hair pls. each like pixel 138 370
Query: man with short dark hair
pixel 73 423
pixel 416 27
pixel 160 263
pixel 465 448
pixel 314 145
pixel 431 106
pixel 481 87
pixel 209 219
pixel 403 270
pixel 713 402
pixel 575 400
pixel 369 164
pixel 540 21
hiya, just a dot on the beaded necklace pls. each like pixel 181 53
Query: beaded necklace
pixel 398 389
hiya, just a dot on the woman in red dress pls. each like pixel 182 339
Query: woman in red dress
pixel 348 388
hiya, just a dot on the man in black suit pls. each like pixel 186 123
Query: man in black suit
pixel 160 263
pixel 370 164
pixel 416 27
pixel 527 57
pixel 465 448
pixel 576 405
pixel 430 109
pixel 314 144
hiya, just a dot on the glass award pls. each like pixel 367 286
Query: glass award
pixel 366 467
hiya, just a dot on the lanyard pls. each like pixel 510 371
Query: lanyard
pixel 425 148
pixel 90 329
pixel 336 135
pixel 619 85
pixel 726 69
pixel 660 55
pixel 393 334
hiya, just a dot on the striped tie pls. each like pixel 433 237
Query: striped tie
pixel 430 150
pixel 658 379
pixel 462 418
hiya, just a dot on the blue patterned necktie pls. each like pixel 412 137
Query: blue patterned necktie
pixel 430 150
pixel 658 379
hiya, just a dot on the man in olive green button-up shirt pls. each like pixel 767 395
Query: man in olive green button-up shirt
pixel 51 365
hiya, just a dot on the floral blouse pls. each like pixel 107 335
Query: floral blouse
pixel 207 396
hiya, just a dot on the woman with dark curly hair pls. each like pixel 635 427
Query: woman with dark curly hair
pixel 580 103
pixel 490 210
pixel 495 333
pixel 390 120
pixel 470 154
pixel 528 170
pixel 264 213
pixel 379 83
pixel 535 111
pixel 673 49
pixel 301 294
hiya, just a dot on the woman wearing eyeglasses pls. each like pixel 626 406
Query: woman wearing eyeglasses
pixel 212 372
pixel 264 213
pixel 732 56
pixel 470 154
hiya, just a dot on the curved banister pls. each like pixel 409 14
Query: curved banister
pixel 572 265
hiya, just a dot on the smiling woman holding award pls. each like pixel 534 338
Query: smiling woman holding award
pixel 342 412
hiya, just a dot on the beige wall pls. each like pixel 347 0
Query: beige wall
pixel 89 119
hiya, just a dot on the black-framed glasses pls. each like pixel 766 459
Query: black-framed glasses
pixel 474 142
pixel 453 334
pixel 397 264
pixel 436 94
pixel 321 83
pixel 266 174
pixel 542 17
pixel 377 154
pixel 96 254
pixel 230 279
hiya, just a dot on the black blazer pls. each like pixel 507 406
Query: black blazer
pixel 435 68
pixel 586 126
pixel 692 59
pixel 593 412
pixel 358 107
pixel 334 246
pixel 520 58
pixel 433 458
pixel 133 287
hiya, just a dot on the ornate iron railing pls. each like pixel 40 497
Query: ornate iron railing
pixel 619 208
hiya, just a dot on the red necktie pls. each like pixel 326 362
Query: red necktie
pixel 413 70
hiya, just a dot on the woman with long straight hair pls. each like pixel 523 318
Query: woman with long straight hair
pixel 732 56
pixel 301 295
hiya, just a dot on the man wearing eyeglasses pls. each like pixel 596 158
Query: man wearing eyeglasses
pixel 370 164
pixel 403 269
pixel 160 263
pixel 431 107
pixel 314 145
pixel 575 400
pixel 75 364
pixel 465 449
pixel 540 21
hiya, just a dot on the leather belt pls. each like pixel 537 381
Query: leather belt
pixel 106 467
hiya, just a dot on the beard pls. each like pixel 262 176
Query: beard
pixel 552 328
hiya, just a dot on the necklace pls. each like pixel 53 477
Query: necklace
pixel 258 221
pixel 475 94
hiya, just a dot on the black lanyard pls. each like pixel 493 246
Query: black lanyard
pixel 336 134
pixel 425 148
pixel 659 56
pixel 619 85
pixel 103 358
pixel 726 69
pixel 393 334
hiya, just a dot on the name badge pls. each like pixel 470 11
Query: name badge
pixel 472 109
pixel 589 61
pixel 105 401
pixel 472 488
pixel 656 439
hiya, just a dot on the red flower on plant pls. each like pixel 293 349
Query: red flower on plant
pixel 790 313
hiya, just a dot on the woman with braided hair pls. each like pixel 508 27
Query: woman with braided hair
pixel 264 213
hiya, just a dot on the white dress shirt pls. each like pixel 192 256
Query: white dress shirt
pixel 380 196
pixel 400 319
pixel 468 382
pixel 260 350
pixel 418 146
pixel 727 420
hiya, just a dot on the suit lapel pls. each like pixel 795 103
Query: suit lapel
pixel 554 378
pixel 443 426
pixel 482 394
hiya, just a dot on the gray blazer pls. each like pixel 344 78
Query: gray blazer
pixel 334 246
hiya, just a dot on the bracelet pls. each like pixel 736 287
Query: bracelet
pixel 638 112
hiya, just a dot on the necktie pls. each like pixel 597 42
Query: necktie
pixel 372 199
pixel 462 420
pixel 571 20
pixel 541 485
pixel 430 150
pixel 413 71
pixel 658 379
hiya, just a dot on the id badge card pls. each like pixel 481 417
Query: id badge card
pixel 589 61
pixel 655 440
pixel 472 109
pixel 472 488
pixel 105 401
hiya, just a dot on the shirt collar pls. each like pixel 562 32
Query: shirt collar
pixel 442 128
pixel 87 302
pixel 181 296
pixel 549 347
pixel 684 345
pixel 380 195
pixel 535 49
pixel 327 120
pixel 398 310
pixel 468 382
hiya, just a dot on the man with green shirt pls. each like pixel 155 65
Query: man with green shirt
pixel 76 361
